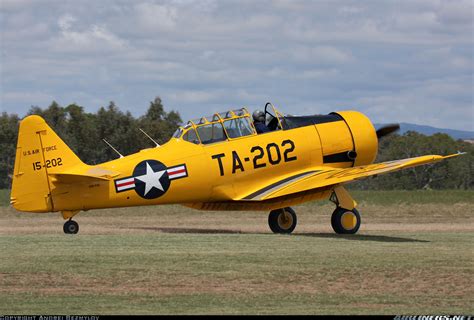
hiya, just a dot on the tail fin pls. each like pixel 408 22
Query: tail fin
pixel 39 152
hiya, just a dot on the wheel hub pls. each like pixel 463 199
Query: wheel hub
pixel 348 220
pixel 285 220
pixel 71 227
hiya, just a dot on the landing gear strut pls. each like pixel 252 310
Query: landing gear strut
pixel 345 219
pixel 71 227
pixel 282 220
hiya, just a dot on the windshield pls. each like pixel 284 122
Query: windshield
pixel 178 133
pixel 191 136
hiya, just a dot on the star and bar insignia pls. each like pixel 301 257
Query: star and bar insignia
pixel 151 179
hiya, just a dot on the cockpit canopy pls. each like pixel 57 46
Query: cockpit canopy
pixel 238 123
pixel 221 126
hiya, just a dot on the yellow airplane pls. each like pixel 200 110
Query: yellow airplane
pixel 213 163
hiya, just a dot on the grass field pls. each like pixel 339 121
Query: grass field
pixel 413 255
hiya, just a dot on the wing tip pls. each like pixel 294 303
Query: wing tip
pixel 459 153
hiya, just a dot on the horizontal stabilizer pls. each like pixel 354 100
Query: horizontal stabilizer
pixel 74 176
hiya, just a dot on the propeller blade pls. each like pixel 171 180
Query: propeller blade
pixel 387 129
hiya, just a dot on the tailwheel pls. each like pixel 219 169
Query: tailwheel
pixel 282 220
pixel 71 227
pixel 345 221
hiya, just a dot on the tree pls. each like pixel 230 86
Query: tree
pixel 82 133
pixel 450 174
pixel 155 111
pixel 55 116
pixel 157 123
pixel 8 138
pixel 119 129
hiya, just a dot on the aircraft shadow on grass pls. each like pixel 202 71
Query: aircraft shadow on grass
pixel 352 237
pixel 192 230
pixel 360 237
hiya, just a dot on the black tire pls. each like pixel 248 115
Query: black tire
pixel 282 220
pixel 337 221
pixel 71 227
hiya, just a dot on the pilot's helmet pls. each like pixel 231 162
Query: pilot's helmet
pixel 258 116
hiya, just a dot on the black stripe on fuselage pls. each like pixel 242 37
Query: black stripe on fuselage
pixel 337 157
pixel 292 122
pixel 276 184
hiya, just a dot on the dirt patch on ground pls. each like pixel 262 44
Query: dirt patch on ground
pixel 177 219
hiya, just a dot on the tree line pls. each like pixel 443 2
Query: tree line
pixel 455 173
pixel 84 131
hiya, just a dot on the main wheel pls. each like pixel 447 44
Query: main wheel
pixel 282 220
pixel 71 227
pixel 345 221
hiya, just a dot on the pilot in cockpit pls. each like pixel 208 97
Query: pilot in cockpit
pixel 259 121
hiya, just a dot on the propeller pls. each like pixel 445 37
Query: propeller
pixel 387 129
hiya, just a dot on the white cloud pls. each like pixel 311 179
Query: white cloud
pixel 456 12
pixel 420 21
pixel 15 4
pixel 95 37
pixel 65 22
pixel 350 10
pixel 320 55
pixel 194 96
pixel 155 17
pixel 403 60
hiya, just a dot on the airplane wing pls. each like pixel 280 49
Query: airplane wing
pixel 325 176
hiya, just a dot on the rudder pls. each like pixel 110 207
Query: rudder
pixel 39 153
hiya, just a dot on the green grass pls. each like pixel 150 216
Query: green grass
pixel 413 255
pixel 4 197
pixel 235 274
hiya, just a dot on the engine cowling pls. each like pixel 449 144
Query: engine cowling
pixel 364 136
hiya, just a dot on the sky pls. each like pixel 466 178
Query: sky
pixel 396 61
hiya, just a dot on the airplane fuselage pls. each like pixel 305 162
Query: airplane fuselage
pixel 187 173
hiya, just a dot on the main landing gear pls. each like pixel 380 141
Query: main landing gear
pixel 344 220
pixel 71 227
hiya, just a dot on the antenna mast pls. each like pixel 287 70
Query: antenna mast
pixel 113 148
pixel 157 144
